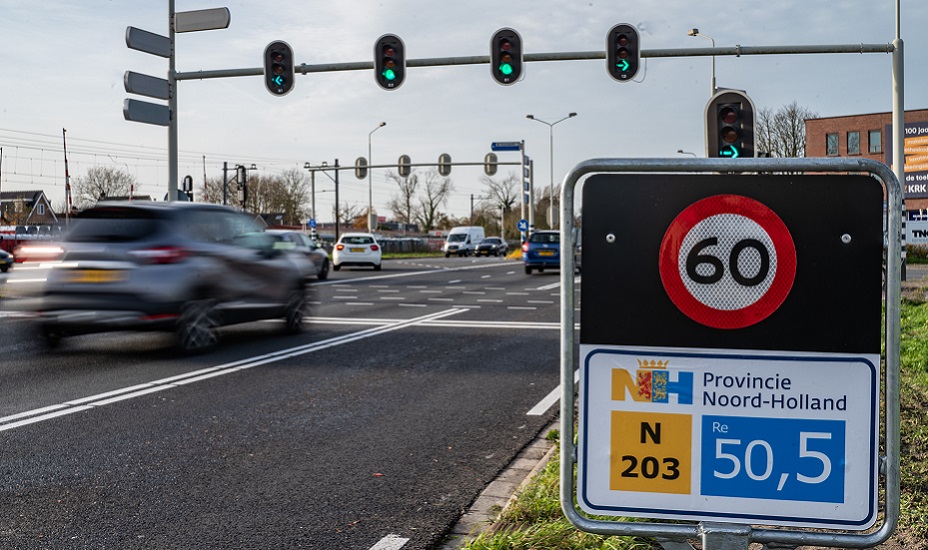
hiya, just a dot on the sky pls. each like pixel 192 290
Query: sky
pixel 62 65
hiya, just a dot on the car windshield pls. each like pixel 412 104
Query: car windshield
pixel 551 238
pixel 357 240
pixel 112 225
pixel 457 238
pixel 490 241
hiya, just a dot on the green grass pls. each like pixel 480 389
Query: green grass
pixel 534 520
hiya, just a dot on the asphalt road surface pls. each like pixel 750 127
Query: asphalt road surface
pixel 410 390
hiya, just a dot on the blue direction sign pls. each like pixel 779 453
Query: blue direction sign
pixel 506 146
pixel 312 223
pixel 523 225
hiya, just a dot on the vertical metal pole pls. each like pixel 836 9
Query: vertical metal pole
pixel 551 175
pixel 172 110
pixel 531 195
pixel 899 116
pixel 312 190
pixel 522 193
pixel 336 200
pixel 471 222
pixel 225 183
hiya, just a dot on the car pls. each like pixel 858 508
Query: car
pixel 357 249
pixel 492 245
pixel 296 240
pixel 542 251
pixel 463 240
pixel 185 268
pixel 6 261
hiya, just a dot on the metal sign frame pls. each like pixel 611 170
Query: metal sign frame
pixel 724 535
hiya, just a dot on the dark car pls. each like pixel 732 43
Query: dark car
pixel 6 261
pixel 492 245
pixel 543 250
pixel 187 268
pixel 300 242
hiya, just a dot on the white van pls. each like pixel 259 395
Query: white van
pixel 463 240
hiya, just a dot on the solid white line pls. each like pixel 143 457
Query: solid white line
pixel 359 303
pixel 522 308
pixel 113 396
pixel 390 542
pixel 550 399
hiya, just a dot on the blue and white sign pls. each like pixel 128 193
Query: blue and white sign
pixel 523 225
pixel 312 223
pixel 757 437
pixel 506 146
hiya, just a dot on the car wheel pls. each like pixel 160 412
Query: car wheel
pixel 295 311
pixel 4 268
pixel 528 270
pixel 323 271
pixel 197 328
pixel 447 255
pixel 336 267
pixel 377 267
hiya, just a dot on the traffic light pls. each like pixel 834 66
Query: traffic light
pixel 403 166
pixel 489 164
pixel 389 61
pixel 506 56
pixel 360 168
pixel 444 164
pixel 623 52
pixel 730 125
pixel 278 68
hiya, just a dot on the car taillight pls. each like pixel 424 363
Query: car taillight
pixel 339 247
pixel 374 248
pixel 160 255
pixel 37 253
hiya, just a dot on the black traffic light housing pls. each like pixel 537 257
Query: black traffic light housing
pixel 278 68
pixel 389 61
pixel 506 56
pixel 730 125
pixel 623 52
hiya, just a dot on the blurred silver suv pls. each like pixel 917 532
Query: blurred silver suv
pixel 180 267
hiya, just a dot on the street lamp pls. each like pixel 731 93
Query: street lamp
pixel 551 154
pixel 682 152
pixel 695 32
pixel 370 183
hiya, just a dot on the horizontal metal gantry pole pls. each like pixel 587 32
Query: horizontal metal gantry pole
pixel 735 51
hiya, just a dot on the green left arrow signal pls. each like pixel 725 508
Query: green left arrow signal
pixel 279 80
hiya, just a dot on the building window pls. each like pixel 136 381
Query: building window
pixel 831 144
pixel 876 141
pixel 41 209
pixel 853 143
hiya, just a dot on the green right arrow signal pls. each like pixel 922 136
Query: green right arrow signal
pixel 622 65
pixel 729 151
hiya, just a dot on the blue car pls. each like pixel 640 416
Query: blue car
pixel 543 250
pixel 6 261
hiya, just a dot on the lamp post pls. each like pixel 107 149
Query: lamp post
pixel 370 183
pixel 551 154
pixel 695 32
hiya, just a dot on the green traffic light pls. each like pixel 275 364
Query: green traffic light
pixel 389 74
pixel 506 69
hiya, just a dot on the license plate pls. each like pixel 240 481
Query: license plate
pixel 94 276
pixel 546 253
pixel 357 250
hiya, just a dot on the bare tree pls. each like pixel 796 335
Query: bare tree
pixel 435 193
pixel 503 195
pixel 294 196
pixel 348 213
pixel 403 205
pixel 782 133
pixel 100 182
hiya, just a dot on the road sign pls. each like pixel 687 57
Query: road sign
pixel 727 261
pixel 730 349
pixel 143 111
pixel 145 85
pixel 201 20
pixel 506 146
pixel 148 42
pixel 312 223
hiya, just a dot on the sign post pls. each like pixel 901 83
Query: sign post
pixel 729 353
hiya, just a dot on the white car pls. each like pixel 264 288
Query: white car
pixel 356 249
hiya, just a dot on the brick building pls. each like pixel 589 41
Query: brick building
pixel 868 136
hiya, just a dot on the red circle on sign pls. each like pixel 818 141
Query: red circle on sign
pixel 733 207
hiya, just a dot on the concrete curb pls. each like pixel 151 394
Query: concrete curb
pixel 502 491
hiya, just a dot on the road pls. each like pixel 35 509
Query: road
pixel 379 425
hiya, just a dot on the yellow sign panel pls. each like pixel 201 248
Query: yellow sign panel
pixel 651 452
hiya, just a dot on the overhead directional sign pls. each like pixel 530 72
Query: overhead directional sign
pixel 730 349
pixel 148 42
pixel 202 20
pixel 145 85
pixel 506 146
pixel 149 113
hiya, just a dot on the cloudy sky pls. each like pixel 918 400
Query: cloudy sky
pixel 62 66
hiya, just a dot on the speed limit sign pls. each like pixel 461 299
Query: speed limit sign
pixel 727 261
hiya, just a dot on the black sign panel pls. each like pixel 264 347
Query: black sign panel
pixel 762 262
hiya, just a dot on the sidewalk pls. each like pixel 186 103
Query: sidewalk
pixel 498 494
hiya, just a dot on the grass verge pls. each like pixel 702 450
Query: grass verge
pixel 534 519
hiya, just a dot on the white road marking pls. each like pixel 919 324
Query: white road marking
pixel 85 403
pixel 390 542
pixel 550 399
pixel 532 308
